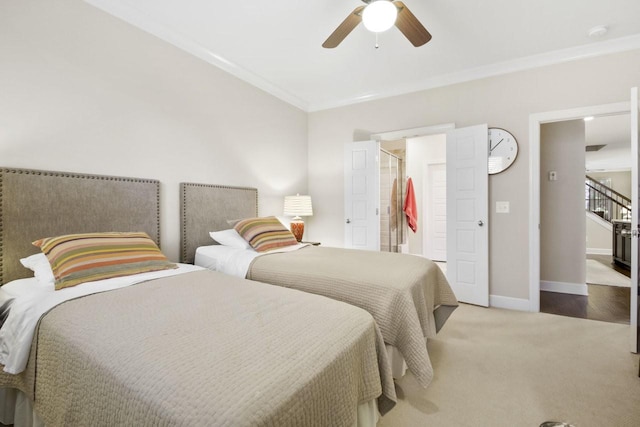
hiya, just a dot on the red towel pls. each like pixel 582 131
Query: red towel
pixel 410 208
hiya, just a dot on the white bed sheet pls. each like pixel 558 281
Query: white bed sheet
pixel 233 261
pixel 17 331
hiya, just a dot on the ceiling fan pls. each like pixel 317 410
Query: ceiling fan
pixel 378 16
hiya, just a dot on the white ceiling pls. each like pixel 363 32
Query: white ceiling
pixel 276 44
pixel 614 132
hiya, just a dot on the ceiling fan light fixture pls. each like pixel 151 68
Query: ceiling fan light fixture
pixel 379 16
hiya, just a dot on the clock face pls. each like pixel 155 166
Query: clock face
pixel 503 149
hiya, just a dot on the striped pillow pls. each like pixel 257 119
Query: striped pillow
pixel 79 258
pixel 265 234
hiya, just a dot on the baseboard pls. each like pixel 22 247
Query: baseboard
pixel 509 303
pixel 599 251
pixel 564 288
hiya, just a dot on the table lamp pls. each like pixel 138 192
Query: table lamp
pixel 298 206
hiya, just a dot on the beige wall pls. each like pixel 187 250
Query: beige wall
pixel 599 235
pixel 562 217
pixel 502 101
pixel 83 91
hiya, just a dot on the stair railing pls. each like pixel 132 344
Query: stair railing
pixel 605 202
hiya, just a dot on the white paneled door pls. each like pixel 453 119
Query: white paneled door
pixel 635 220
pixel 435 205
pixel 467 214
pixel 362 195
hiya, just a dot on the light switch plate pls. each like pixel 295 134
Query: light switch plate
pixel 502 207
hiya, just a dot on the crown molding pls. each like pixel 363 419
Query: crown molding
pixel 137 18
pixel 521 64
pixel 144 22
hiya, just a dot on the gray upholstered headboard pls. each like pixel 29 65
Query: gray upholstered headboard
pixel 36 204
pixel 205 208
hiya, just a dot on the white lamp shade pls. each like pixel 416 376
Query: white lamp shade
pixel 379 16
pixel 298 205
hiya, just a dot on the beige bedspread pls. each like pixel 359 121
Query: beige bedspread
pixel 401 291
pixel 204 348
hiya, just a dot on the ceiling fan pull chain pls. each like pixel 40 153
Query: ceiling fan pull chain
pixel 377 46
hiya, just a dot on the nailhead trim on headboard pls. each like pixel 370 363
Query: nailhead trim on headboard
pixel 2 172
pixel 183 186
pixel 5 171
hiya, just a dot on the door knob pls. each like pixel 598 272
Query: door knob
pixel 480 223
pixel 348 221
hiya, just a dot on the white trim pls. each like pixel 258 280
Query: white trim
pixel 599 251
pixel 144 22
pixel 599 220
pixel 564 287
pixel 634 116
pixel 139 19
pixel 590 50
pixel 395 135
pixel 509 303
pixel 535 120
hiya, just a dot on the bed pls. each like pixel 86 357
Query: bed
pixel 408 296
pixel 177 345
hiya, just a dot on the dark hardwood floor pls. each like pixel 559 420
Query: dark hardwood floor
pixel 605 303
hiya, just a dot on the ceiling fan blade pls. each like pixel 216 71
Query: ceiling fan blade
pixel 344 28
pixel 409 25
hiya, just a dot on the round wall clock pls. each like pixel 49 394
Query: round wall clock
pixel 503 150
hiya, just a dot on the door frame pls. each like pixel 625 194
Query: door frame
pixel 535 121
pixel 413 132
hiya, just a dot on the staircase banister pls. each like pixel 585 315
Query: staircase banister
pixel 622 196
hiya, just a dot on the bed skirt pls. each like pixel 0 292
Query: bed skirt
pixel 398 365
pixel 17 409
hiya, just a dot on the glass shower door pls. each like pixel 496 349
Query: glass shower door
pixel 390 202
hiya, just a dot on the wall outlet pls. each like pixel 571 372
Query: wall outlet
pixel 502 207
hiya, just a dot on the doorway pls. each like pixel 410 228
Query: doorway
pixel 535 123
pixel 466 203
pixel 581 162
pixel 417 148
pixel 423 158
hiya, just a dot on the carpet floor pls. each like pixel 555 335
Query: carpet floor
pixel 497 367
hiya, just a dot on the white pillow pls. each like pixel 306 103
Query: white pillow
pixel 39 264
pixel 230 238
